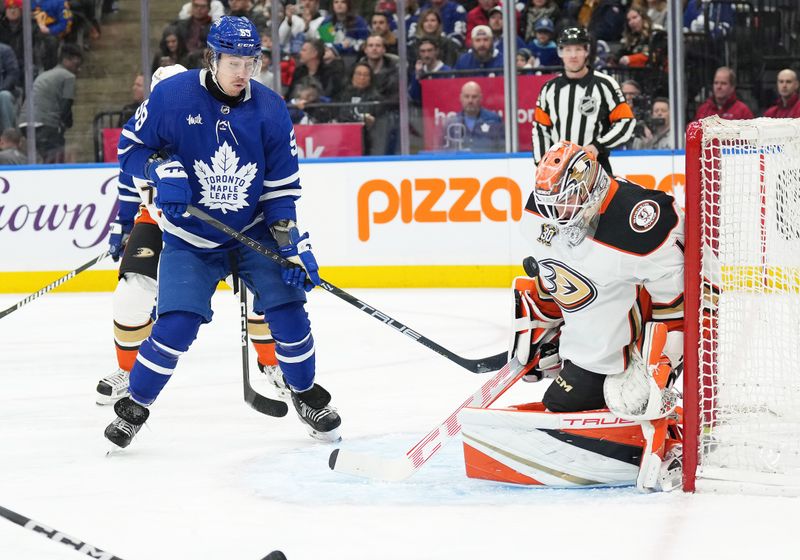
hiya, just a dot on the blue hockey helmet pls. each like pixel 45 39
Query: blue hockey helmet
pixel 234 35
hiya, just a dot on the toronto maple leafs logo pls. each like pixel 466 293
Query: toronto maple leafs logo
pixel 224 184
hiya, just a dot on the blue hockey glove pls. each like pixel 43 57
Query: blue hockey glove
pixel 297 250
pixel 172 186
pixel 118 237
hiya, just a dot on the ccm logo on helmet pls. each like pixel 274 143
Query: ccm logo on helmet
pixel 432 200
pixel 571 290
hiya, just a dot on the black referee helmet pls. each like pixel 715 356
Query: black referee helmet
pixel 573 36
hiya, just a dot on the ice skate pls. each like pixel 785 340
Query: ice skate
pixel 112 387
pixel 130 418
pixel 321 420
pixel 275 377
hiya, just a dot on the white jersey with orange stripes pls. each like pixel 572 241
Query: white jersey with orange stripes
pixel 147 209
pixel 628 272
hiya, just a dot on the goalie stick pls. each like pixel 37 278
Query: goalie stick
pixel 54 284
pixel 260 403
pixel 490 363
pixel 401 468
pixel 56 535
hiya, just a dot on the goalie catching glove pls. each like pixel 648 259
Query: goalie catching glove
pixel 533 333
pixel 296 249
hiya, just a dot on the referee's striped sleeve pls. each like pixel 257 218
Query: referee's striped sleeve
pixel 620 114
pixel 542 124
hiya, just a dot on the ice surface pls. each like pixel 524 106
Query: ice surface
pixel 213 479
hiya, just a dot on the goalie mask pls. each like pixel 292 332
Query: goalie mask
pixel 570 186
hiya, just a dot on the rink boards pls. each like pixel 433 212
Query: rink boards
pixel 419 221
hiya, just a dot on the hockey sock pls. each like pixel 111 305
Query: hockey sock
pixel 133 300
pixel 294 344
pixel 172 335
pixel 262 340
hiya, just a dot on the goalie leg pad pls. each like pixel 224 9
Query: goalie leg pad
pixel 641 392
pixel 575 389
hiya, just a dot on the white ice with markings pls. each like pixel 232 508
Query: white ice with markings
pixel 209 478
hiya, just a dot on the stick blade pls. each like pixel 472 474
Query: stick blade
pixel 492 363
pixel 264 405
pixel 370 466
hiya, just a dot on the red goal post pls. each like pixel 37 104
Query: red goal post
pixel 742 306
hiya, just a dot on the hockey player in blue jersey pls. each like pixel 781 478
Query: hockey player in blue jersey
pixel 220 141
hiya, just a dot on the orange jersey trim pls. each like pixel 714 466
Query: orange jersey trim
pixel 144 217
pixel 612 191
pixel 542 118
pixel 621 111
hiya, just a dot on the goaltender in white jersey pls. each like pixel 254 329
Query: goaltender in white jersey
pixel 610 256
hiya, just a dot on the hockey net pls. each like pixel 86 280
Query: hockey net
pixel 741 378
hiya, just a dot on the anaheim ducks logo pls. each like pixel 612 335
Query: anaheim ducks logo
pixel 144 253
pixel 571 290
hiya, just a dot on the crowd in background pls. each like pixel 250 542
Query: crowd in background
pixel 339 58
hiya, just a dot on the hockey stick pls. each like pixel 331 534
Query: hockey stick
pixel 53 285
pixel 490 363
pixel 400 468
pixel 56 535
pixel 260 403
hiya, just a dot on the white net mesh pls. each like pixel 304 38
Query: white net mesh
pixel 750 317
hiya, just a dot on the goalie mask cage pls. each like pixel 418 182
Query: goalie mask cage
pixel 742 306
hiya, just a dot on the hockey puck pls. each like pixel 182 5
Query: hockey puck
pixel 275 555
pixel 531 267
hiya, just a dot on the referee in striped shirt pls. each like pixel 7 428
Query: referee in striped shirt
pixel 581 105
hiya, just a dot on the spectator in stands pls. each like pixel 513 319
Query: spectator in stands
pixel 53 95
pixel 535 11
pixel 336 67
pixel 655 131
pixel 10 151
pixel 631 90
pixel 384 68
pixel 344 29
pixel 312 17
pixel 635 48
pixel 379 25
pixel 53 17
pixel 265 75
pixel 482 55
pixel 720 18
pixel 427 61
pixel 496 25
pixel 411 17
pixel 291 31
pixel 362 98
pixel 429 26
pixel 526 60
pixel 194 30
pixel 723 101
pixel 11 34
pixel 171 49
pixel 607 21
pixel 543 46
pixel 657 12
pixel 454 18
pixel 137 96
pixel 312 67
pixel 787 105
pixel 308 94
pixel 216 10
pixel 9 84
pixel 473 129
pixel 479 15
pixel 245 8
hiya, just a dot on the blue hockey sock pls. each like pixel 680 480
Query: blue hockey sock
pixel 294 345
pixel 172 335
pixel 297 362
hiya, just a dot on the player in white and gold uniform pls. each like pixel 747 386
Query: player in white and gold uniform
pixel 610 256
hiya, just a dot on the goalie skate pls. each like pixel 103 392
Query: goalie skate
pixel 321 420
pixel 131 416
pixel 275 377
pixel 112 387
